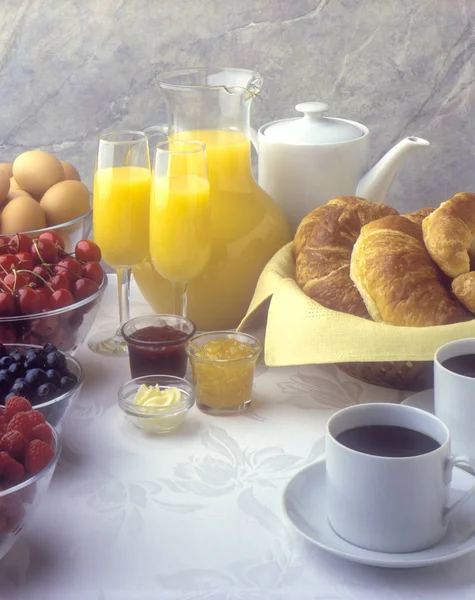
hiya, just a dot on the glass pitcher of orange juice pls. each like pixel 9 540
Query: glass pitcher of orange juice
pixel 247 227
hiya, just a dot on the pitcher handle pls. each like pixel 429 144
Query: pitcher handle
pixel 254 139
pixel 463 462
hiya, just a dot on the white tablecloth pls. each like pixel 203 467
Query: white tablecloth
pixel 196 514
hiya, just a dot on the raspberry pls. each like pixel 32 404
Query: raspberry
pixel 35 417
pixel 21 422
pixel 42 432
pixel 14 443
pixel 12 472
pixel 3 424
pixel 15 405
pixel 38 455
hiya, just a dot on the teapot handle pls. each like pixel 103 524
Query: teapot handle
pixel 254 139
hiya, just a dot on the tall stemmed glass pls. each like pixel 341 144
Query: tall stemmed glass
pixel 121 205
pixel 180 215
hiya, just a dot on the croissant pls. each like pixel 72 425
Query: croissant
pixel 397 278
pixel 322 250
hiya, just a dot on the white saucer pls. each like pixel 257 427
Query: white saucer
pixel 304 505
pixel 423 400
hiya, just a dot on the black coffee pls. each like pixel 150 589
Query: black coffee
pixel 387 440
pixel 462 365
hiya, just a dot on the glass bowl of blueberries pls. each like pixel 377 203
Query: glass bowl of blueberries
pixel 48 378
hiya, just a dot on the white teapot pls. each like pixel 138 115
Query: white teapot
pixel 306 161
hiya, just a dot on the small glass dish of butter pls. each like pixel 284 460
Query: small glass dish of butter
pixel 156 403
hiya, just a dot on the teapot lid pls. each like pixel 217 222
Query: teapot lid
pixel 313 127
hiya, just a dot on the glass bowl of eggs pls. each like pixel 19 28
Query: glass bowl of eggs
pixel 38 192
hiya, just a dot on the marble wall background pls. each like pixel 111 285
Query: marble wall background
pixel 72 68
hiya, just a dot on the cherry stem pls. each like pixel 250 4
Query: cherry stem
pixel 37 275
pixel 63 267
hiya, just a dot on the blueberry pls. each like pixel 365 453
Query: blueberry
pixel 3 351
pixel 6 361
pixel 68 382
pixel 56 360
pixel 53 377
pixel 20 388
pixel 35 377
pixel 34 359
pixel 47 348
pixel 6 374
pixel 5 385
pixel 16 370
pixel 45 392
pixel 17 356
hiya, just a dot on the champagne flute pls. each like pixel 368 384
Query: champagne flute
pixel 180 215
pixel 121 204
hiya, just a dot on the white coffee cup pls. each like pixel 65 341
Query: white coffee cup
pixel 454 397
pixel 384 503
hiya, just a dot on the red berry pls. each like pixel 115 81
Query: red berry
pixel 31 301
pixel 36 417
pixel 7 334
pixel 11 471
pixel 20 422
pixel 87 251
pixel 42 432
pixel 20 242
pixel 69 267
pixel 53 237
pixel 3 424
pixel 60 281
pixel 7 261
pixel 15 281
pixel 4 245
pixel 16 404
pixel 60 299
pixel 83 288
pixel 25 261
pixel 93 270
pixel 45 250
pixel 38 455
pixel 14 443
pixel 42 271
pixel 45 326
pixel 7 304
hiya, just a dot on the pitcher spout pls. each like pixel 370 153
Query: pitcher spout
pixel 374 185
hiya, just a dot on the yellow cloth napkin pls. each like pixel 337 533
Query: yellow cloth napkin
pixel 300 331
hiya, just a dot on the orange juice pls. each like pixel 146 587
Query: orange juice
pixel 180 240
pixel 121 214
pixel 247 228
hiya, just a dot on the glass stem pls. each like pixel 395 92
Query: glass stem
pixel 180 298
pixel 123 288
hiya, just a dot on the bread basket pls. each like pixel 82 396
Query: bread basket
pixel 298 330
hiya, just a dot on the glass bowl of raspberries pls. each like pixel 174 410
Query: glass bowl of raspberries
pixel 29 452
pixel 48 378
pixel 48 295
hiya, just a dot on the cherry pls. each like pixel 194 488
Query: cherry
pixel 60 299
pixel 45 327
pixel 7 304
pixel 31 301
pixel 7 334
pixel 20 242
pixel 25 261
pixel 93 270
pixel 60 281
pixel 4 245
pixel 69 267
pixel 87 251
pixel 8 260
pixel 53 237
pixel 45 250
pixel 15 281
pixel 76 319
pixel 42 271
pixel 83 288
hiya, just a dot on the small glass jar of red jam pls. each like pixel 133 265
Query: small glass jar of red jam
pixel 156 344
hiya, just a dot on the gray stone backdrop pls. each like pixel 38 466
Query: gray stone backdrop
pixel 71 68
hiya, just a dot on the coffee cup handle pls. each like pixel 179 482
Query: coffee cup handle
pixel 455 461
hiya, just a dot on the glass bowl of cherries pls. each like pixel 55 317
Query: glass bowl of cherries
pixel 47 295
pixel 48 378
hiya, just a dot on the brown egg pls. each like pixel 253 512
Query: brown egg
pixel 16 193
pixel 4 185
pixel 70 172
pixel 22 214
pixel 65 201
pixel 14 184
pixel 7 167
pixel 36 171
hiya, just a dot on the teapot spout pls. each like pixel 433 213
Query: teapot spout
pixel 374 185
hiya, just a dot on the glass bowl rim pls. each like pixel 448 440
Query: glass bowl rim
pixel 52 227
pixel 149 343
pixel 135 410
pixel 59 311
pixel 257 346
pixel 40 474
pixel 69 358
